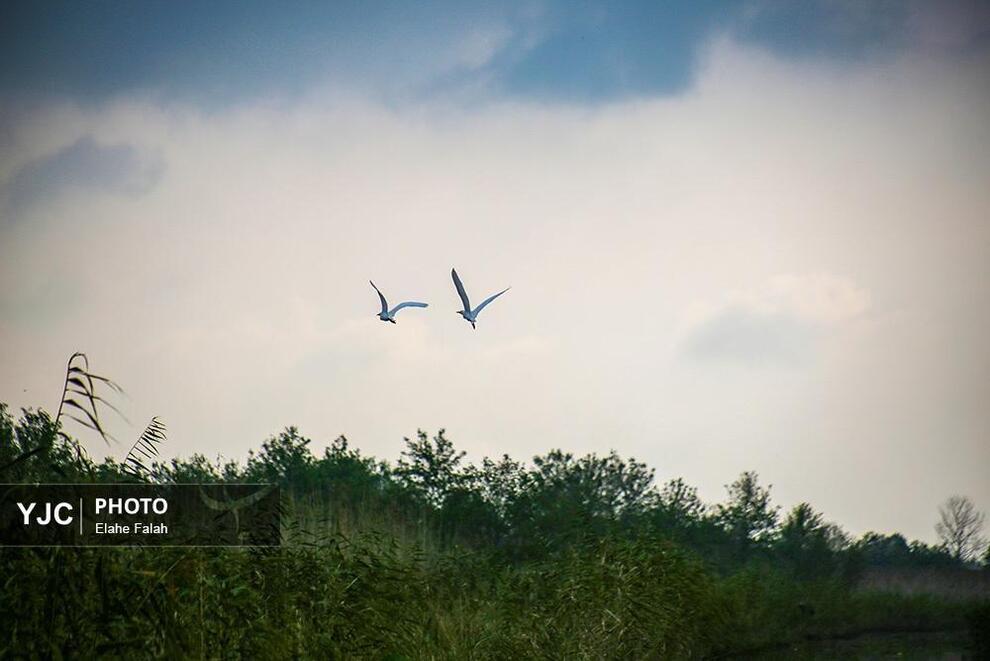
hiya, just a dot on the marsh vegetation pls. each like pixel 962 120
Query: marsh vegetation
pixel 433 557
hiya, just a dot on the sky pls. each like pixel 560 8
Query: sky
pixel 739 235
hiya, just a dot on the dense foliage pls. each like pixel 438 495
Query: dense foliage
pixel 434 557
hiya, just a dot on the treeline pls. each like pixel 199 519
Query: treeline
pixel 435 499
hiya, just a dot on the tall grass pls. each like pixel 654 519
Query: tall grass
pixel 369 598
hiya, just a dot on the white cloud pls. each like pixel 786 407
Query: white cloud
pixel 820 298
pixel 780 323
pixel 477 48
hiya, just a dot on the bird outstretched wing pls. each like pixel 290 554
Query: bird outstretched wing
pixel 407 304
pixel 384 303
pixel 489 300
pixel 460 291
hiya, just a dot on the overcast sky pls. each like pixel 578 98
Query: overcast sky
pixel 739 235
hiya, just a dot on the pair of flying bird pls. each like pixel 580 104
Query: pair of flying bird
pixel 470 314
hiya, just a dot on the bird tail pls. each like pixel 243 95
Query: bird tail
pixel 473 326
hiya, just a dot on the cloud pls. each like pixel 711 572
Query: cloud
pixel 818 298
pixel 847 29
pixel 740 335
pixel 478 46
pixel 777 324
pixel 551 50
pixel 86 166
pixel 955 26
pixel 232 298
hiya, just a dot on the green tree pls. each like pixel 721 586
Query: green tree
pixel 285 458
pixel 748 516
pixel 894 550
pixel 346 469
pixel 802 525
pixel 431 467
pixel 563 499
pixel 680 503
pixel 32 449
pixel 805 541
pixel 196 468
pixel 501 482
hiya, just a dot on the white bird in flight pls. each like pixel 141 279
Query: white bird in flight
pixel 467 312
pixel 389 315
